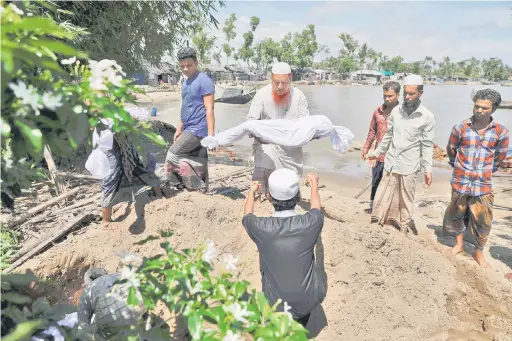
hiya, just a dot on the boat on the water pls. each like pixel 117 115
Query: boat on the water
pixel 236 96
pixel 505 105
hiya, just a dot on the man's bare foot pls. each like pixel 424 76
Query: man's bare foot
pixel 368 211
pixel 109 225
pixel 480 259
pixel 457 249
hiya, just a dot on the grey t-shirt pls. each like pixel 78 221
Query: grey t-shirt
pixel 287 261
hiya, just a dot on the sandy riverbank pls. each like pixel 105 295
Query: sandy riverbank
pixel 383 285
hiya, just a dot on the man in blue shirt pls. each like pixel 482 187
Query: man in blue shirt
pixel 187 160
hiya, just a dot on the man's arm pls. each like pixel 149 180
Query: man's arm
pixel 208 92
pixel 256 108
pixel 249 202
pixel 210 117
pixel 84 313
pixel 501 150
pixel 372 132
pixel 303 106
pixel 386 140
pixel 312 181
pixel 427 144
pixel 453 145
pixel 179 130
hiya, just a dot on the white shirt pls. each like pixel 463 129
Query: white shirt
pixel 408 142
pixel 263 107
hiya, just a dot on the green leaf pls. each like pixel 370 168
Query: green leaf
pixel 59 47
pixel 264 333
pixel 146 240
pixel 262 302
pixel 283 325
pixel 16 298
pixel 33 140
pixel 23 330
pixel 166 234
pixel 240 289
pixel 132 297
pixel 155 138
pixel 195 325
pixel 19 279
pixel 7 60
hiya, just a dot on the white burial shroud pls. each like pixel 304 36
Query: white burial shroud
pixel 286 133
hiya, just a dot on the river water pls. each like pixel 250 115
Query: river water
pixel 353 107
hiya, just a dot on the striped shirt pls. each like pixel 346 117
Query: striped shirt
pixel 475 155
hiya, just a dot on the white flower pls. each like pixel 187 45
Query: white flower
pixel 229 261
pixel 130 275
pixel 230 336
pixel 238 312
pixel 68 61
pixel 16 9
pixel 210 253
pixel 287 309
pixel 130 258
pixel 27 94
pixel 20 90
pixel 52 102
pixel 105 68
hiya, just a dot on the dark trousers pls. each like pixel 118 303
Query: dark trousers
pixel 377 172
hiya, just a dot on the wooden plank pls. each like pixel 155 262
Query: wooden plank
pixel 52 167
pixel 48 241
pixel 41 207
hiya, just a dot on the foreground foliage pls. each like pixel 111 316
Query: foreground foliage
pixel 215 307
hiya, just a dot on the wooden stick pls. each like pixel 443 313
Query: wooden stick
pixel 41 207
pixel 246 169
pixel 52 167
pixel 78 204
pixel 77 176
pixel 48 241
pixel 363 190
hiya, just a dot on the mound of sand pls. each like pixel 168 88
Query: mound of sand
pixel 383 285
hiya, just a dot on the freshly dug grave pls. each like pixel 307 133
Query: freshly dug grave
pixel 383 285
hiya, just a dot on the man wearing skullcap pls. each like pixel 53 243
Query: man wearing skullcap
pixel 187 161
pixel 477 148
pixel 278 100
pixel 408 144
pixel 286 244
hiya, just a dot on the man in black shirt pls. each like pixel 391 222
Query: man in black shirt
pixel 286 244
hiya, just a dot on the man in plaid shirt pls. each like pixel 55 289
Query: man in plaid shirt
pixel 476 149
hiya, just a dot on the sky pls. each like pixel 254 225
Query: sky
pixel 412 29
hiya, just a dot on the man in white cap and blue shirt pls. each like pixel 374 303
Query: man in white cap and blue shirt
pixel 408 144
pixel 286 245
pixel 278 100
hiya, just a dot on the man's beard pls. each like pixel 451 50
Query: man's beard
pixel 411 105
pixel 280 100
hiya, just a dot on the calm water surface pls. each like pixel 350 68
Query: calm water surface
pixel 353 107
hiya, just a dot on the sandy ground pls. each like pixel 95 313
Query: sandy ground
pixel 383 285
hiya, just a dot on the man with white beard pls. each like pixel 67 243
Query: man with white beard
pixel 278 100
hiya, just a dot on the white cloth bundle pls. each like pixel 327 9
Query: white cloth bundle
pixel 286 133
pixel 97 163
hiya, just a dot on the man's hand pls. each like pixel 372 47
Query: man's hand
pixel 177 135
pixel 312 179
pixel 363 155
pixel 372 158
pixel 372 163
pixel 255 186
pixel 428 180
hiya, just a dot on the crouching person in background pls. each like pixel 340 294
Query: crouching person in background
pixel 286 244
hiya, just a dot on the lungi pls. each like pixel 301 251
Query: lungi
pixel 394 200
pixel 186 163
pixel 261 175
pixel 116 187
pixel 469 211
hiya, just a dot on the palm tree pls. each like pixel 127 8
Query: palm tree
pixel 428 65
pixel 447 66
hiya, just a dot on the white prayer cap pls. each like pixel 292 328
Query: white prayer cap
pixel 413 80
pixel 283 184
pixel 281 69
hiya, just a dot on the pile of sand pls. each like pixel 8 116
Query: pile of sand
pixel 383 285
